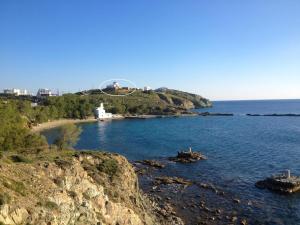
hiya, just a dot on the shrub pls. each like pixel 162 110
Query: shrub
pixel 51 205
pixel 4 198
pixel 68 136
pixel 16 186
pixel 109 166
pixel 19 159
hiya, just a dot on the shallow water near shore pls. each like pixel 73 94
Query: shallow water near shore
pixel 240 149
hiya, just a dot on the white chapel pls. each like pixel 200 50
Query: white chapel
pixel 101 114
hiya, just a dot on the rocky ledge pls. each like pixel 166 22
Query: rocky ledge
pixel 187 157
pixel 79 188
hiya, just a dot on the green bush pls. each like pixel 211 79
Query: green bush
pixel 16 186
pixel 109 166
pixel 68 136
pixel 4 199
pixel 19 159
pixel 51 205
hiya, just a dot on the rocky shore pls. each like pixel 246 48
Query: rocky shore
pixel 195 201
pixel 70 187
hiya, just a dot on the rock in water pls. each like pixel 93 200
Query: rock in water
pixel 282 183
pixel 172 180
pixel 187 157
pixel 152 163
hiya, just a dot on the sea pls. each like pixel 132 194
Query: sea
pixel 241 150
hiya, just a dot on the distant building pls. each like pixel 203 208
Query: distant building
pixel 115 85
pixel 147 88
pixel 44 92
pixel 101 114
pixel 24 92
pixel 16 92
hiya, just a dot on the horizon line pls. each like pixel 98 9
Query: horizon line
pixel 265 99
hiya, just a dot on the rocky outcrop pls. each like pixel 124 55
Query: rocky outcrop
pixel 188 157
pixel 85 188
pixel 280 183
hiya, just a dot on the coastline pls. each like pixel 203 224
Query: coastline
pixel 57 123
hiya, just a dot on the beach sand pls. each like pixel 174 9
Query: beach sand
pixel 58 123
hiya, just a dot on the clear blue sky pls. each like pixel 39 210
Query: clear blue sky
pixel 220 49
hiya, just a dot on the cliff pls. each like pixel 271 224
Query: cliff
pixel 183 99
pixel 68 187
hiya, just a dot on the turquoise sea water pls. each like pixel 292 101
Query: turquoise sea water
pixel 240 149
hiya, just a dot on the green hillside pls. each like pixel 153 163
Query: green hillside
pixel 82 105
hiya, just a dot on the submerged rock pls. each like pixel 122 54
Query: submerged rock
pixel 172 180
pixel 215 114
pixel 152 163
pixel 187 157
pixel 283 183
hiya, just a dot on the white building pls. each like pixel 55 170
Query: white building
pixel 24 92
pixel 15 91
pixel 101 114
pixel 147 88
pixel 115 85
pixel 44 92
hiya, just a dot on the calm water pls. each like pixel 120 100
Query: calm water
pixel 240 149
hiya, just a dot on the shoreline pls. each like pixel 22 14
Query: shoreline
pixel 57 123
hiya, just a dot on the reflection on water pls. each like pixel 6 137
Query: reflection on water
pixel 101 134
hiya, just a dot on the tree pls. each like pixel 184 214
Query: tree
pixel 14 131
pixel 68 136
pixel 118 109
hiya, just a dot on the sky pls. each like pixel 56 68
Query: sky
pixel 222 50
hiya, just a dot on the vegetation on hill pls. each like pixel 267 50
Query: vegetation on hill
pixel 81 105
pixel 18 115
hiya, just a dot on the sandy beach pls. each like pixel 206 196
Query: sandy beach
pixel 57 123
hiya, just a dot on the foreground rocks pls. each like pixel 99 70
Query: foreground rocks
pixel 81 188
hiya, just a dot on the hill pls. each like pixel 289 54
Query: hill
pixel 81 105
pixel 160 101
